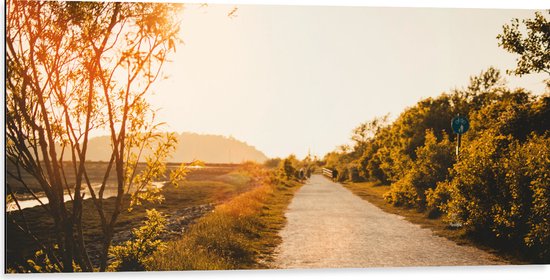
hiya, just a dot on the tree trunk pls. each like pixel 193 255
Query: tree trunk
pixel 69 246
pixel 105 252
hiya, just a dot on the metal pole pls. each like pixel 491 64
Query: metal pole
pixel 458 146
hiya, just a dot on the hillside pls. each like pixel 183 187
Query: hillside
pixel 191 146
pixel 215 149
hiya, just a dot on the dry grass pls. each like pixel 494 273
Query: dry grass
pixel 216 185
pixel 239 234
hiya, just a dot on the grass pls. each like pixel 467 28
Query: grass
pixel 374 192
pixel 203 186
pixel 240 234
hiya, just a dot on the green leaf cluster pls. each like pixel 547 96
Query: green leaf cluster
pixel 135 254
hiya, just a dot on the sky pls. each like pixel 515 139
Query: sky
pixel 298 79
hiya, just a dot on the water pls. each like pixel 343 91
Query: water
pixel 29 202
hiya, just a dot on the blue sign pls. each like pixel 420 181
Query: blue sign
pixel 460 124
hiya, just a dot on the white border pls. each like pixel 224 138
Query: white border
pixel 442 273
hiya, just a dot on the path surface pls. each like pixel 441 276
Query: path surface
pixel 330 227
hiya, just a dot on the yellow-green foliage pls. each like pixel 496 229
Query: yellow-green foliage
pixel 40 263
pixel 288 167
pixel 135 254
pixel 433 160
pixel 501 190
pixel 498 189
pixel 291 168
pixel 234 235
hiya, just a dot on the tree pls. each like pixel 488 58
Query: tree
pixel 288 167
pixel 367 131
pixel 77 68
pixel 533 47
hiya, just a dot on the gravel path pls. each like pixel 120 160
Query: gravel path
pixel 330 227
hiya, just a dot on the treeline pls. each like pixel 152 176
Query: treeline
pixel 498 189
pixel 291 168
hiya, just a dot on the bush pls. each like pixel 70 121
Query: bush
pixel 289 168
pixel 500 191
pixel 433 160
pixel 354 173
pixel 42 262
pixel 135 254
pixel 528 176
pixel 393 163
pixel 372 169
pixel 477 184
pixel 272 163
pixel 437 198
pixel 402 194
pixel 343 173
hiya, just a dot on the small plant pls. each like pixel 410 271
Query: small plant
pixel 42 262
pixel 135 254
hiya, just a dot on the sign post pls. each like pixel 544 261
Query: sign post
pixel 459 125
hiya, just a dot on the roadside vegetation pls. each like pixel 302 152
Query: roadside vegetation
pixel 64 61
pixel 498 190
pixel 224 217
pixel 197 195
pixel 241 233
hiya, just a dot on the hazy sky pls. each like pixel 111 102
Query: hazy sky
pixel 286 79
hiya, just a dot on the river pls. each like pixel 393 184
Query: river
pixel 29 201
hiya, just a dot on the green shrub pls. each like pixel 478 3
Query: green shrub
pixel 500 192
pixel 135 254
pixel 272 163
pixel 433 160
pixel 393 163
pixel 437 199
pixel 402 194
pixel 289 168
pixel 43 262
pixel 343 173
pixel 372 169
pixel 477 184
pixel 528 177
pixel 354 174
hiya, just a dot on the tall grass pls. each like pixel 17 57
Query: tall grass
pixel 238 234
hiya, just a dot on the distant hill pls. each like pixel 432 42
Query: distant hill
pixel 191 146
pixel 215 149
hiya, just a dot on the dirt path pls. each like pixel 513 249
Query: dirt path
pixel 328 226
